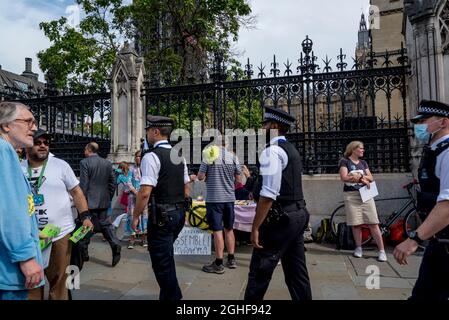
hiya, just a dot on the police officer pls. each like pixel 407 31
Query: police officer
pixel 432 127
pixel 281 215
pixel 167 183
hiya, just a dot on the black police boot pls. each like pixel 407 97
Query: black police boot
pixel 109 235
pixel 116 255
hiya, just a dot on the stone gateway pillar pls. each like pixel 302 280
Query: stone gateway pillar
pixel 427 36
pixel 128 111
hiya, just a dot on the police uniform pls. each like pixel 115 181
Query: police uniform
pixel 166 209
pixel 281 234
pixel 433 176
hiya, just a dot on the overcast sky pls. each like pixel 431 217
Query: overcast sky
pixel 280 28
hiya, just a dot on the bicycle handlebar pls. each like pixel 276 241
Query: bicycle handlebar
pixel 410 185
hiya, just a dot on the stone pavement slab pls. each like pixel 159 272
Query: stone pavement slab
pixel 334 275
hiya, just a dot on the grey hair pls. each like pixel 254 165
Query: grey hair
pixel 9 111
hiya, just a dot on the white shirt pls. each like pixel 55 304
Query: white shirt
pixel 58 180
pixel 151 166
pixel 273 161
pixel 442 170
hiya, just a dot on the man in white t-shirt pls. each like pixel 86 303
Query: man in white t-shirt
pixel 53 182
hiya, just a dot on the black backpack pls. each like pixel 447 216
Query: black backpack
pixel 345 239
pixel 324 232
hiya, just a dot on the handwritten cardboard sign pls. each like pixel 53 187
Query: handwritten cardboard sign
pixel 193 241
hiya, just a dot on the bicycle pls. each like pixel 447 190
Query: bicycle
pixel 412 219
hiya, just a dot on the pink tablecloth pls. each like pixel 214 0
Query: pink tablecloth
pixel 244 216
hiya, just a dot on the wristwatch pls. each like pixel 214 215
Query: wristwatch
pixel 414 236
pixel 85 215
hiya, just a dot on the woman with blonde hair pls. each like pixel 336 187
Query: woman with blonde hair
pixel 125 178
pixel 355 173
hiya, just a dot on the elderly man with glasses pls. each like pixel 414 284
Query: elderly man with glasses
pixel 20 255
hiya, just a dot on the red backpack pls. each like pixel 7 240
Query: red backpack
pixel 396 232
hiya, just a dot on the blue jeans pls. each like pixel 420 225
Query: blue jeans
pixel 14 295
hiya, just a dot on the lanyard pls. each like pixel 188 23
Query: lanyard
pixel 39 180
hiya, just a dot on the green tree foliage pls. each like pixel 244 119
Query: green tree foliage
pixel 81 58
pixel 173 35
pixel 179 36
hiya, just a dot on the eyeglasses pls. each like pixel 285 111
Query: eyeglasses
pixel 40 142
pixel 31 122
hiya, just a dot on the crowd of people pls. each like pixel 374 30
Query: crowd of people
pixel 38 189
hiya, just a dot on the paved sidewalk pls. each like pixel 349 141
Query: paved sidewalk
pixel 335 275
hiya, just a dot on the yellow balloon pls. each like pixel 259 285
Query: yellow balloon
pixel 211 154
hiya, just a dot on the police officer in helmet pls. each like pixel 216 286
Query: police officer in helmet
pixel 281 215
pixel 431 127
pixel 166 182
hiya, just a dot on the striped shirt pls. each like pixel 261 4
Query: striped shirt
pixel 220 177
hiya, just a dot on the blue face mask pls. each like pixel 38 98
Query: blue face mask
pixel 421 132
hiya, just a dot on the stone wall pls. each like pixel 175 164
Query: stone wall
pixel 389 35
pixel 323 193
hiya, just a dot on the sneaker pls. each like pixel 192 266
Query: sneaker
pixel 131 245
pixel 382 256
pixel 145 243
pixel 213 268
pixel 231 264
pixel 358 253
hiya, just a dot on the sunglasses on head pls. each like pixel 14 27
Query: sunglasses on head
pixel 40 142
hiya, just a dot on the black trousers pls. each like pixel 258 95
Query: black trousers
pixel 102 224
pixel 160 246
pixel 285 242
pixel 433 279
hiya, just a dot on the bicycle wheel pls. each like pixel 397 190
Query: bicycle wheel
pixel 412 222
pixel 339 215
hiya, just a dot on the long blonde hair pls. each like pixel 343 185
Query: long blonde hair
pixel 351 147
pixel 124 167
